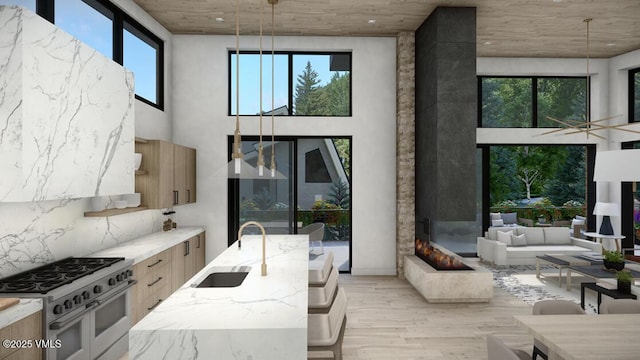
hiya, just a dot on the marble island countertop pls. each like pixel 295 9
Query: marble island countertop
pixel 263 318
pixel 145 247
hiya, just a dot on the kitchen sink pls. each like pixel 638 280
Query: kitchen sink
pixel 224 277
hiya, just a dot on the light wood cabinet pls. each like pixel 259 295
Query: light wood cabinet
pixel 184 174
pixel 200 251
pixel 167 176
pixel 162 274
pixel 154 284
pixel 29 328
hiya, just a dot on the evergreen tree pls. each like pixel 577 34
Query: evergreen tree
pixel 307 101
pixel 568 182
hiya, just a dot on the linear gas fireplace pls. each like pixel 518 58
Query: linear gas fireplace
pixel 438 259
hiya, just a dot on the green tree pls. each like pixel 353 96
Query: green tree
pixel 335 96
pixel 339 194
pixel 568 182
pixel 503 182
pixel 344 152
pixel 535 165
pixel 506 102
pixel 307 99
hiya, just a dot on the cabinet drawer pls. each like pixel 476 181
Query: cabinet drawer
pixel 155 280
pixel 152 264
pixel 29 328
pixel 155 299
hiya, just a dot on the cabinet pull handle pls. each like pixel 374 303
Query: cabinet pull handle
pixel 175 197
pixel 155 282
pixel 198 246
pixel 156 304
pixel 186 248
pixel 188 195
pixel 155 263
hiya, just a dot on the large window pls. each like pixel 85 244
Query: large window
pixel 106 28
pixel 524 102
pixel 306 84
pixel 542 183
pixel 634 95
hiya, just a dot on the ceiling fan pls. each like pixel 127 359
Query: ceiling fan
pixel 588 126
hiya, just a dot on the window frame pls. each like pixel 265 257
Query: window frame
pixel 534 97
pixel 46 9
pixel 290 80
pixel 632 95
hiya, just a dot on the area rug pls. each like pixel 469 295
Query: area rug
pixel 521 282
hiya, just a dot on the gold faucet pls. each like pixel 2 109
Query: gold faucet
pixel 264 263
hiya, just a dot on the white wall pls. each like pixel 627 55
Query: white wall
pixel 200 93
pixel 609 96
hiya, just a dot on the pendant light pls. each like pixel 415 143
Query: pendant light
pixel 273 143
pixel 238 168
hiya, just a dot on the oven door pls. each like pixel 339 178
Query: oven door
pixel 73 335
pixel 111 322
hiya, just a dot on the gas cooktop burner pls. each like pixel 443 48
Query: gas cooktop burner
pixel 48 277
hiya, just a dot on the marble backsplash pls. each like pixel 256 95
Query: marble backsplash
pixel 36 233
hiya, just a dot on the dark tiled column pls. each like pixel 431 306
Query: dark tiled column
pixel 446 108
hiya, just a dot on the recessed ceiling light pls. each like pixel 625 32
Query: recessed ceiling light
pixel 557 1
pixel 219 19
pixel 371 21
pixel 611 44
pixel 488 43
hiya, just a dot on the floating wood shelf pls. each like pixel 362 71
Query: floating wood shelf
pixel 113 212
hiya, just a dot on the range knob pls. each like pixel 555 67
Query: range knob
pixel 97 289
pixel 77 299
pixel 129 272
pixel 112 282
pixel 119 277
pixel 68 304
pixel 86 295
pixel 57 309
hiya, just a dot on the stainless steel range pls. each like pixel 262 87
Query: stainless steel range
pixel 86 305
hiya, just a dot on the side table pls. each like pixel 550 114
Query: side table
pixel 598 237
pixel 613 293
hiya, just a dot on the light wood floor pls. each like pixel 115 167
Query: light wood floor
pixel 388 319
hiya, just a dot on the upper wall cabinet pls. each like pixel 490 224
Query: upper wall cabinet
pixel 66 115
pixel 168 176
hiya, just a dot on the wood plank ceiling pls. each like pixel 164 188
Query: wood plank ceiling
pixel 506 28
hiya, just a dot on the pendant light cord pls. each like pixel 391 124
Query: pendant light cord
pixel 273 143
pixel 260 147
pixel 237 153
pixel 588 110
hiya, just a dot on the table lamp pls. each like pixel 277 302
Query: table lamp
pixel 606 210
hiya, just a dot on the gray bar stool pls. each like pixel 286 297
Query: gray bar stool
pixel 318 277
pixel 321 298
pixel 326 331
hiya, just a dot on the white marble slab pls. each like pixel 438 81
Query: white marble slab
pixel 37 233
pixel 145 247
pixel 66 114
pixel 263 318
pixel 20 311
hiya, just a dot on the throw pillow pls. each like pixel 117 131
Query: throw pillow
pixel 510 218
pixel 519 240
pixel 495 216
pixel 497 222
pixel 505 237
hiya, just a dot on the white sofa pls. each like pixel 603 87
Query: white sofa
pixel 539 241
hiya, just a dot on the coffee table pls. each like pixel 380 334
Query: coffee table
pixel 559 261
pixel 596 272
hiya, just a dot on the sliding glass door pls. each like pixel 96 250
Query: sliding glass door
pixel 316 187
